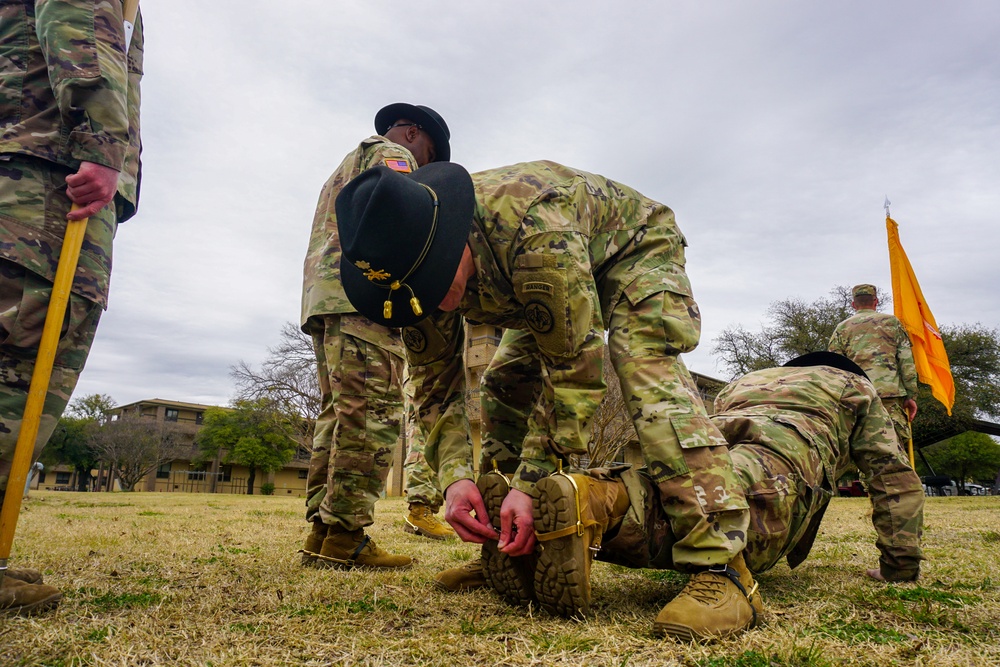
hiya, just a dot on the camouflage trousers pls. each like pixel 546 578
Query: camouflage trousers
pixel 24 300
pixel 686 455
pixel 422 484
pixel 360 370
pixel 900 421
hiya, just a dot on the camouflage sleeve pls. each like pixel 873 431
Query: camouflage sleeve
pixel 437 386
pixel 837 343
pixel 897 496
pixel 553 280
pixel 84 46
pixel 904 359
pixel 380 151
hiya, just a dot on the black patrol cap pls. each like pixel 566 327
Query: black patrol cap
pixel 430 121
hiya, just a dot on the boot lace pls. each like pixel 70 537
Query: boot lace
pixel 706 587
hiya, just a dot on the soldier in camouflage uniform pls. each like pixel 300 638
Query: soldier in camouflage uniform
pixel 878 342
pixel 559 257
pixel 360 363
pixel 69 134
pixel 793 431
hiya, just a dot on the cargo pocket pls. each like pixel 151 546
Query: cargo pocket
pixel 541 287
pixel 664 318
pixel 772 503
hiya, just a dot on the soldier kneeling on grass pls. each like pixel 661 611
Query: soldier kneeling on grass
pixel 792 431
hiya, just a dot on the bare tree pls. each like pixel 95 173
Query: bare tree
pixel 794 328
pixel 133 447
pixel 286 378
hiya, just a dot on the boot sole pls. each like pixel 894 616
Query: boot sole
pixel 686 634
pixel 417 530
pixel 512 578
pixel 37 607
pixel 562 576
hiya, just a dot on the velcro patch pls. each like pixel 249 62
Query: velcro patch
pixel 544 288
pixel 402 166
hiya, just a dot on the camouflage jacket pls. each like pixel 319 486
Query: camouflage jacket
pixel 879 344
pixel 842 419
pixel 322 291
pixel 555 249
pixel 67 94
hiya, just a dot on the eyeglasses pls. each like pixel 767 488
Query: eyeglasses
pixel 416 125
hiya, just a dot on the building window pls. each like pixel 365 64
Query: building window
pixel 199 418
pixel 227 473
pixel 62 478
pixel 163 472
pixel 196 475
pixel 303 474
pixel 171 415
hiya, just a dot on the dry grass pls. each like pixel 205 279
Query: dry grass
pixel 153 579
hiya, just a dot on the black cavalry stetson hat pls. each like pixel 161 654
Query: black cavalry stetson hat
pixel 827 359
pixel 402 237
pixel 428 119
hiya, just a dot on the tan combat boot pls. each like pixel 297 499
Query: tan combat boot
pixel 718 602
pixel 421 521
pixel 512 577
pixel 464 578
pixel 24 574
pixel 350 549
pixel 314 544
pixel 20 599
pixel 572 513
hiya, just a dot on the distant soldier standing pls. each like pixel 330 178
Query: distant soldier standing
pixel 560 256
pixel 879 344
pixel 69 134
pixel 360 366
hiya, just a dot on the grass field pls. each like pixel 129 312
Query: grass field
pixel 156 579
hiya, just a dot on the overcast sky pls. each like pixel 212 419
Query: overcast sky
pixel 774 130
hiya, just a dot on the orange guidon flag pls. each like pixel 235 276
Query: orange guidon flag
pixel 909 306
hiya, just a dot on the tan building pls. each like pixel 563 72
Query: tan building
pixel 182 474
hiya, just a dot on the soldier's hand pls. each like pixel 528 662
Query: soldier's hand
pixel 91 188
pixel 910 406
pixel 875 574
pixel 517 524
pixel 465 510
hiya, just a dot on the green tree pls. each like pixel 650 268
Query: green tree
pixel 72 441
pixel 974 356
pixel 969 456
pixel 255 433
pixel 92 407
pixel 71 444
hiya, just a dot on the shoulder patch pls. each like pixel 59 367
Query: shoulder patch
pixel 399 165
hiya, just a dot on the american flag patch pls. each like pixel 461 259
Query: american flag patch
pixel 401 166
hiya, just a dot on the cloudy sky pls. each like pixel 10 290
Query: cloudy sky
pixel 775 130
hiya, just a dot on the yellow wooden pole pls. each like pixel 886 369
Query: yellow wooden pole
pixel 913 463
pixel 39 387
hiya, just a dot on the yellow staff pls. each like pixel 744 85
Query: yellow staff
pixel 42 373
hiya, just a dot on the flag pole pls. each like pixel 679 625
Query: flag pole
pixel 69 257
